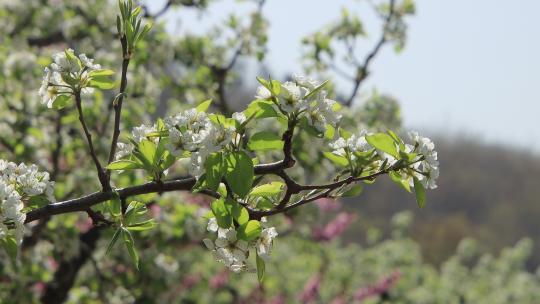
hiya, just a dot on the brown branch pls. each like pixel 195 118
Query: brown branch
pixel 118 104
pixel 101 174
pixel 83 203
pixel 362 71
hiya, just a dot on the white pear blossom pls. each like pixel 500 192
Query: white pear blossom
pixel 292 97
pixel 193 131
pixel 264 243
pixel 304 81
pixel 233 252
pixel 88 62
pixel 240 117
pixel 355 143
pixel 65 67
pixel 263 93
pixel 429 166
pixel 19 183
pixel 123 150
pixel 139 133
pixel 227 248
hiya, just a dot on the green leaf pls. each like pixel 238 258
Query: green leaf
pixel 102 83
pixel 148 150
pixel 146 225
pixel 238 212
pixel 100 73
pixel 239 175
pixel 261 268
pixel 261 109
pixel 113 240
pixel 336 159
pixel 61 101
pixel 249 231
pixel 397 140
pixel 270 189
pixel 330 132
pixel 355 190
pixel 130 245
pixel 168 160
pixel 124 164
pixel 114 206
pixel 265 140
pixel 222 214
pixel 398 179
pixel 383 142
pixel 135 211
pixel 214 169
pixel 316 90
pixel 264 203
pixel 275 87
pixel 203 106
pixel 420 193
pixel 9 243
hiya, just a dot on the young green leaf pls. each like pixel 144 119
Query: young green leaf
pixel 95 73
pixel 336 159
pixel 130 245
pixel 239 175
pixel 61 101
pixel 270 189
pixel 146 225
pixel 396 178
pixel 215 169
pixel 222 214
pixel 148 150
pixel 420 193
pixel 102 83
pixel 383 142
pixel 113 240
pixel 124 164
pixel 261 268
pixel 203 106
pixel 238 212
pixel 316 90
pixel 249 231
pixel 265 140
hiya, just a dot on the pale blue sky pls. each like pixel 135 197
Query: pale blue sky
pixel 469 66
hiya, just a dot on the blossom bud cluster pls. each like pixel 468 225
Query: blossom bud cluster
pixel 66 71
pixel 430 165
pixel 232 252
pixel 19 183
pixel 194 132
pixel 425 167
pixel 295 97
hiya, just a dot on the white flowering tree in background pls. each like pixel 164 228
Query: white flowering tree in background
pixel 138 171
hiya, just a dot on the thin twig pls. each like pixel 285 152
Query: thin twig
pixel 118 104
pixel 101 174
pixel 363 70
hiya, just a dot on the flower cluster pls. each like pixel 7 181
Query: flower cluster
pixel 355 143
pixel 304 95
pixel 429 166
pixel 18 184
pixel 194 132
pixel 233 252
pixel 424 165
pixel 66 71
